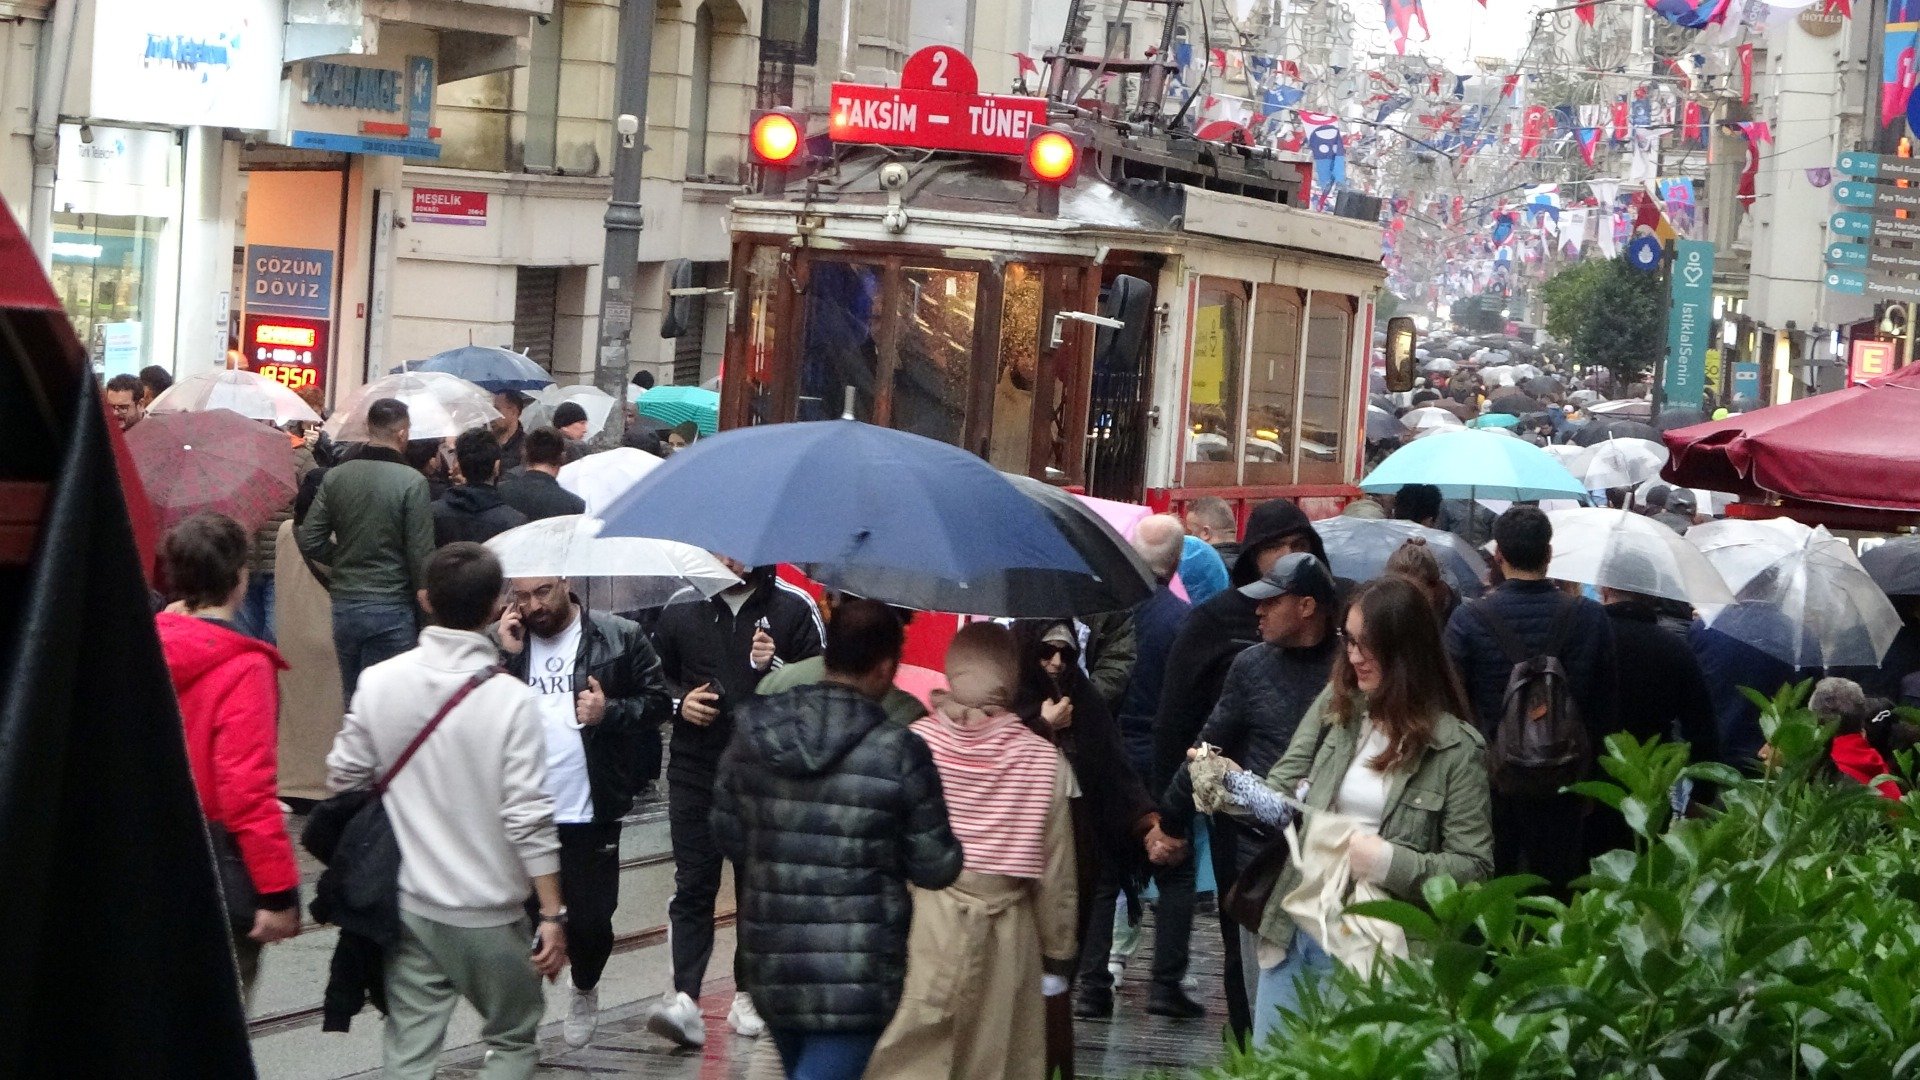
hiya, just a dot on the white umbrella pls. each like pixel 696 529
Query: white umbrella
pixel 1614 463
pixel 1442 364
pixel 1800 594
pixel 1573 457
pixel 1429 418
pixel 438 406
pixel 603 477
pixel 627 572
pixel 1632 553
pixel 595 402
pixel 248 393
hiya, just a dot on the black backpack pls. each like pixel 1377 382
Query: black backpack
pixel 1539 744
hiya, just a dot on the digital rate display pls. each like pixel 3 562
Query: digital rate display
pixel 290 351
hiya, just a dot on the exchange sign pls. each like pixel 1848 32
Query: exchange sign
pixel 937 106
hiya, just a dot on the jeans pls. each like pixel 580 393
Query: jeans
pixel 366 632
pixel 256 610
pixel 1280 984
pixel 824 1055
pixel 433 967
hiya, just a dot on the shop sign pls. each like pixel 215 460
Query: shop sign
pixel 187 63
pixel 289 350
pixel 289 281
pixel 446 206
pixel 120 347
pixel 372 105
pixel 937 106
pixel 1746 382
pixel 1871 359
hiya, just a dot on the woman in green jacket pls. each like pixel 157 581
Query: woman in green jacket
pixel 1383 743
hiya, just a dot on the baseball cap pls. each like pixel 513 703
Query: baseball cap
pixel 1680 498
pixel 1297 574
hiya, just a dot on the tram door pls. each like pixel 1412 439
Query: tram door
pixel 1117 405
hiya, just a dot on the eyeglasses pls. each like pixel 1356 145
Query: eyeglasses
pixel 1065 652
pixel 538 596
pixel 1355 647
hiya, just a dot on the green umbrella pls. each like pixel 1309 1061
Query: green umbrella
pixel 1495 419
pixel 679 404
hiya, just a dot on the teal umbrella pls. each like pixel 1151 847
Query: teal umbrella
pixel 1495 420
pixel 679 404
pixel 1476 465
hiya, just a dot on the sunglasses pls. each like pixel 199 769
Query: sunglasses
pixel 1048 652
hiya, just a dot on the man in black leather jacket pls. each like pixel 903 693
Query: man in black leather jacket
pixel 842 811
pixel 601 692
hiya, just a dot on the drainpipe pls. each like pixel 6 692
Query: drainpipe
pixel 56 45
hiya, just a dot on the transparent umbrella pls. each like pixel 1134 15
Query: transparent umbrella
pixel 438 406
pixel 1800 594
pixel 595 402
pixel 616 573
pixel 1628 552
pixel 1709 503
pixel 1358 548
pixel 1895 565
pixel 1428 418
pixel 248 393
pixel 1614 463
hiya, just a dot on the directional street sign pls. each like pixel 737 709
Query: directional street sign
pixel 1870 225
pixel 1845 254
pixel 1690 321
pixel 1850 282
pixel 1879 199
pixel 1875 166
pixel 1851 223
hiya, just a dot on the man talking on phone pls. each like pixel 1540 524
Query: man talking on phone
pixel 715 653
pixel 599 689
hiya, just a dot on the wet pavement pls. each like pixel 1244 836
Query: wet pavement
pixel 1130 1045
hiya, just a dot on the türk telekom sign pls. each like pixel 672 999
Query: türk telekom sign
pixel 938 106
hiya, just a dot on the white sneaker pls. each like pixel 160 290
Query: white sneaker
pixel 676 1017
pixel 583 1017
pixel 744 1018
pixel 1191 984
pixel 1117 967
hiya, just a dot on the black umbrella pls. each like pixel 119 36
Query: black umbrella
pixel 1679 416
pixel 1121 578
pixel 1600 430
pixel 1376 383
pixel 1895 566
pixel 1542 386
pixel 1381 401
pixel 1516 405
pixel 1382 425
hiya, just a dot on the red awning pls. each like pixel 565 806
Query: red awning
pixel 1852 447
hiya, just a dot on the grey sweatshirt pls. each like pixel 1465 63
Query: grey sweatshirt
pixel 470 810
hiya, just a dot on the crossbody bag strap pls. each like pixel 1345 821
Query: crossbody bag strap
pixel 1510 644
pixel 479 678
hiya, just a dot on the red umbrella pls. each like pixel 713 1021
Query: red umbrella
pixel 1851 447
pixel 216 460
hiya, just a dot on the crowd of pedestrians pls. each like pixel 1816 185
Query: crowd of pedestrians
pixel 925 887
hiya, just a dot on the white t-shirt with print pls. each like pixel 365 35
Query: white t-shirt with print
pixel 550 673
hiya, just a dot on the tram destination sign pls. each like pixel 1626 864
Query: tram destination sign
pixel 937 106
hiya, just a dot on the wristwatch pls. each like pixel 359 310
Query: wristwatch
pixel 559 917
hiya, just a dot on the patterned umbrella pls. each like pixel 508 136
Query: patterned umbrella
pixel 215 460
pixel 678 404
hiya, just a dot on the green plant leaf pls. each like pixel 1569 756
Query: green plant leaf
pixel 1418 924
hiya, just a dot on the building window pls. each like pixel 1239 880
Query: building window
pixel 1011 441
pixel 843 302
pixel 104 273
pixel 543 93
pixel 789 38
pixel 702 93
pixel 1213 398
pixel 932 376
pixel 536 303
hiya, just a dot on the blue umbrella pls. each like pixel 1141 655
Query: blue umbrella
pixel 488 367
pixel 1476 465
pixel 872 511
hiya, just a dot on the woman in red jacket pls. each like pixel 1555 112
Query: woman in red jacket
pixel 229 695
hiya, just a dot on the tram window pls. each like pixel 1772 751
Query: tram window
pixel 1272 380
pixel 1213 399
pixel 1012 438
pixel 1323 407
pixel 931 380
pixel 763 280
pixel 841 351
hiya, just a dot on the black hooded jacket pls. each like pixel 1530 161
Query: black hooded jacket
pixel 707 642
pixel 1215 632
pixel 828 812
pixel 473 512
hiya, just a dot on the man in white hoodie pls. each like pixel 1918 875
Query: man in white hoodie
pixel 475 827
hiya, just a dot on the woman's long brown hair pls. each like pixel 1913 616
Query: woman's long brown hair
pixel 1417 680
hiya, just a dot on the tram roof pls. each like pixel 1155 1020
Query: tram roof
pixel 976 201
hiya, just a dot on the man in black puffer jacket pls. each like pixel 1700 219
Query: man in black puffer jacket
pixel 474 510
pixel 829 812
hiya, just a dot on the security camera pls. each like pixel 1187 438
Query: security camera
pixel 893 176
pixel 626 124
